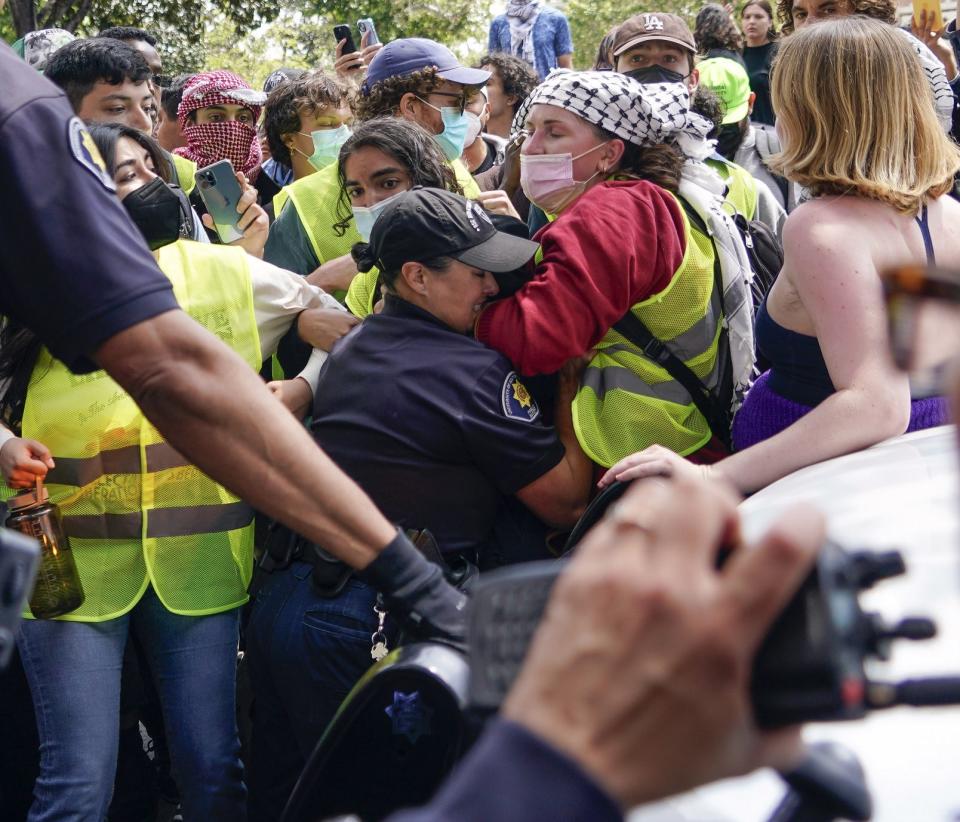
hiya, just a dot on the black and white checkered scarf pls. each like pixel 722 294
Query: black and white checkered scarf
pixel 644 114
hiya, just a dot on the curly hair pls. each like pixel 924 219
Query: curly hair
pixel 383 99
pixel 517 76
pixel 311 93
pixel 411 145
pixel 853 108
pixel 707 103
pixel 772 33
pixel 715 30
pixel 883 10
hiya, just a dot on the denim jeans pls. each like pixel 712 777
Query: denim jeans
pixel 305 652
pixel 74 673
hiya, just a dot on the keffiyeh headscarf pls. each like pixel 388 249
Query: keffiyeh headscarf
pixel 209 142
pixel 643 114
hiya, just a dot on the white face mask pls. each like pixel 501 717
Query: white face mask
pixel 366 216
pixel 547 179
pixel 474 127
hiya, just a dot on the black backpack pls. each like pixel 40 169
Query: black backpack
pixel 766 258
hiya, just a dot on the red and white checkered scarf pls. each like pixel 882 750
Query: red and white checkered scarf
pixel 209 142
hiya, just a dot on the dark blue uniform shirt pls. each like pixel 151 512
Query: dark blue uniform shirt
pixel 73 267
pixel 432 424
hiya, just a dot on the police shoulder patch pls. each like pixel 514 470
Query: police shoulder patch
pixel 517 402
pixel 85 152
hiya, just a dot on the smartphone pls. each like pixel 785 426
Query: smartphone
pixel 930 7
pixel 19 559
pixel 221 193
pixel 364 25
pixel 342 32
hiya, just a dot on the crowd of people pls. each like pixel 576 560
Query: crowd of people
pixel 487 292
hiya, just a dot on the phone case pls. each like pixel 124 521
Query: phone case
pixel 929 6
pixel 364 25
pixel 342 32
pixel 220 193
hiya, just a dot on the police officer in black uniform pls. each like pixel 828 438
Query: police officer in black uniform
pixel 74 269
pixel 438 429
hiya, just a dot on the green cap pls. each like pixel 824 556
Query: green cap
pixel 729 81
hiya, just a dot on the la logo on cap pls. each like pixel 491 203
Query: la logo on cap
pixel 653 23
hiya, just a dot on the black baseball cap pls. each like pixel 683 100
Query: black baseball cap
pixel 429 222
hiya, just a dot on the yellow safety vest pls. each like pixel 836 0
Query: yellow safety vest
pixel 741 186
pixel 626 402
pixel 136 511
pixel 185 169
pixel 315 198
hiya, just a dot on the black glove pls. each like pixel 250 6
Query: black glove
pixel 416 592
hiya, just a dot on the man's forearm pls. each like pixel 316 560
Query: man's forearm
pixel 213 408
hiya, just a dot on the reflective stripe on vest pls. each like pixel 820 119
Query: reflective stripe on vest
pixel 136 511
pixel 626 401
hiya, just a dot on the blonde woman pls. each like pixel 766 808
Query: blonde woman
pixel 860 131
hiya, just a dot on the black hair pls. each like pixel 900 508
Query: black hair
pixel 129 33
pixel 715 30
pixel 19 350
pixel 171 95
pixel 107 135
pixel 605 61
pixel 409 144
pixel 78 66
pixel 517 76
pixel 311 91
pixel 363 256
pixel 660 164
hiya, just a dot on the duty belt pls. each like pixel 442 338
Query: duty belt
pixel 330 575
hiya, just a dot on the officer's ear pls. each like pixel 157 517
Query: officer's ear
pixel 408 107
pixel 414 277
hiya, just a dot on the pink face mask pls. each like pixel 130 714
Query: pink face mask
pixel 547 179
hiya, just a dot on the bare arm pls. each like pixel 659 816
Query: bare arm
pixel 836 282
pixel 213 408
pixel 565 61
pixel 335 274
pixel 560 496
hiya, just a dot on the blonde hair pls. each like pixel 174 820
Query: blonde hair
pixel 856 115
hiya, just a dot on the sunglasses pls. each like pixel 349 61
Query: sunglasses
pixel 462 99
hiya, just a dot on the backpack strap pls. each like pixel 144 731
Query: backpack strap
pixel 631 327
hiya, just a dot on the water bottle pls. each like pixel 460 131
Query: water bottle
pixel 57 590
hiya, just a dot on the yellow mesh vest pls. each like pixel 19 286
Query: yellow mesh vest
pixel 185 170
pixel 626 402
pixel 135 510
pixel 362 294
pixel 741 187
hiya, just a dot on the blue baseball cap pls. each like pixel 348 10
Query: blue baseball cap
pixel 401 57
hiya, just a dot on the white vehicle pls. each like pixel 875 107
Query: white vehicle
pixel 902 494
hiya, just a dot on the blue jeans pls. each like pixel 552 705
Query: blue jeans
pixel 305 652
pixel 74 673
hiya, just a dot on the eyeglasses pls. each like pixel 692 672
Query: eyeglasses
pixel 923 312
pixel 461 98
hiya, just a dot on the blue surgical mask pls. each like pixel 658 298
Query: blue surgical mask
pixel 365 216
pixel 326 145
pixel 454 134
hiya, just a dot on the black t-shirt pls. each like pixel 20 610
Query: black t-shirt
pixel 432 424
pixel 73 267
pixel 758 60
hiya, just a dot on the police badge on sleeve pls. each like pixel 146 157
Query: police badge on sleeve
pixel 517 402
pixel 85 152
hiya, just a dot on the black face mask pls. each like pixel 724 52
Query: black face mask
pixel 655 74
pixel 729 138
pixel 161 212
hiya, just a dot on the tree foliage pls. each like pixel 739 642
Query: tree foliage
pixel 178 23
pixel 590 20
pixel 451 22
